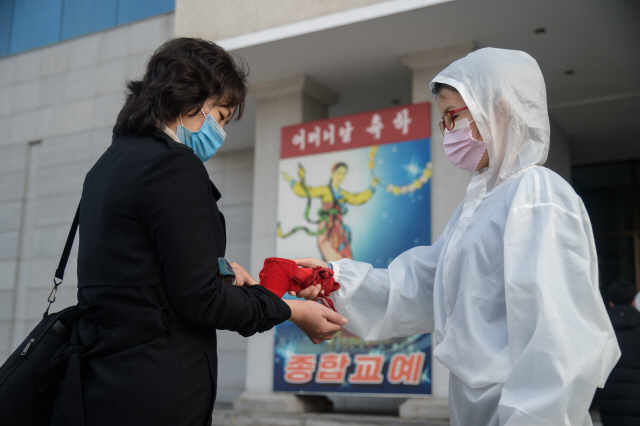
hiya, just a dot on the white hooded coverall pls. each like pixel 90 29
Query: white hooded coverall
pixel 510 288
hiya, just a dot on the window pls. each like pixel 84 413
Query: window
pixel 6 12
pixel 35 23
pixel 129 11
pixel 27 24
pixel 82 17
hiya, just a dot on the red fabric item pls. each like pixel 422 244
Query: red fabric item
pixel 280 276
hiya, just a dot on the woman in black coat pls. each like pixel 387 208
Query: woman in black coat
pixel 619 400
pixel 150 238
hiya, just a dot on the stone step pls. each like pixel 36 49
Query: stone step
pixel 227 416
pixel 230 417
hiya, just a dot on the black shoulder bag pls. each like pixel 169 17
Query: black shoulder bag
pixel 48 364
pixel 20 402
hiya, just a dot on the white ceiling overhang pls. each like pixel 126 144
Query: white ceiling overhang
pixel 599 41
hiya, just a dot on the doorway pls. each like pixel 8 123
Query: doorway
pixel 611 194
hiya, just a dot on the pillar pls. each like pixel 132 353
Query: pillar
pixel 448 188
pixel 559 159
pixel 280 103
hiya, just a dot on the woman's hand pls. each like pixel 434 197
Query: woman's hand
pixel 311 292
pixel 318 322
pixel 242 276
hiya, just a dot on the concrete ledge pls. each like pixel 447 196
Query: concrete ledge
pixel 294 85
pixel 432 409
pixel 281 403
pixel 438 57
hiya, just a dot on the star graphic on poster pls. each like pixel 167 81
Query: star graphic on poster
pixel 413 168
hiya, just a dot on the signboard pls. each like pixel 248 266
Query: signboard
pixel 356 187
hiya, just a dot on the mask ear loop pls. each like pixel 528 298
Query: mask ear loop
pixel 454 126
pixel 180 116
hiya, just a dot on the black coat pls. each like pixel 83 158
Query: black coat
pixel 150 237
pixel 619 400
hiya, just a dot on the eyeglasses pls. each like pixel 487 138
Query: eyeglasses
pixel 448 121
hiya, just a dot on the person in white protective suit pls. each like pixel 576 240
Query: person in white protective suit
pixel 510 288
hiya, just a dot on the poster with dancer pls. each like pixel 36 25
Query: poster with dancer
pixel 354 187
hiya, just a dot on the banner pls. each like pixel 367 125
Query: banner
pixel 355 187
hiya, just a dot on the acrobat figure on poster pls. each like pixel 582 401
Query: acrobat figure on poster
pixel 334 236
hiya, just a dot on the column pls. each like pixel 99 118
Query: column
pixel 559 159
pixel 448 188
pixel 280 103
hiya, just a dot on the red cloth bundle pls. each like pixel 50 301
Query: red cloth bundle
pixel 280 276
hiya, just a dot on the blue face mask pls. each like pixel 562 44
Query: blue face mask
pixel 206 141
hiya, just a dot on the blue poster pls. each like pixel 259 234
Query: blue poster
pixel 367 198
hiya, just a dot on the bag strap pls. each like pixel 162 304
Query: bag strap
pixel 67 247
pixel 59 275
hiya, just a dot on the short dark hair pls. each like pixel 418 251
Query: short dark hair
pixel 622 292
pixel 337 165
pixel 437 88
pixel 181 75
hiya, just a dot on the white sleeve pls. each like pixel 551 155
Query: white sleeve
pixel 561 341
pixel 393 302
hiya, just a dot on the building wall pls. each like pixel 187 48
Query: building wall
pixel 232 173
pixel 57 107
pixel 219 19
pixel 559 159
